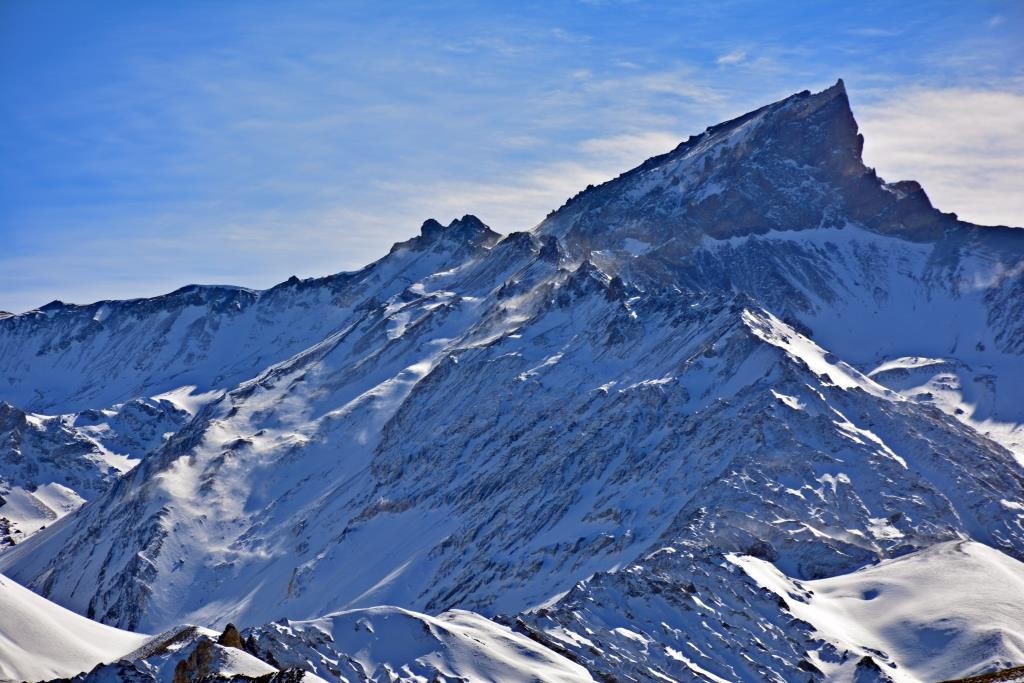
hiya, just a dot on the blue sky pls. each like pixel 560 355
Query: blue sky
pixel 147 145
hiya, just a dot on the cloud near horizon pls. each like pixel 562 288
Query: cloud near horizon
pixel 965 146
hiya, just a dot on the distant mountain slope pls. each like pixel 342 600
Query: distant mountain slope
pixel 751 346
pixel 65 358
pixel 50 465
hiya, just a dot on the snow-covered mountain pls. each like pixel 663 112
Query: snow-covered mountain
pixel 645 435
pixel 50 465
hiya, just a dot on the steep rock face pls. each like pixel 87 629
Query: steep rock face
pixel 792 165
pixel 653 382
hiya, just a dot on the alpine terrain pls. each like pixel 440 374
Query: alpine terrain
pixel 747 412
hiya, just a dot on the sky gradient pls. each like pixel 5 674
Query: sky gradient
pixel 148 145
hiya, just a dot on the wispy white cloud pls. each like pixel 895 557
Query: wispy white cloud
pixel 734 57
pixel 519 199
pixel 622 152
pixel 874 32
pixel 570 37
pixel 965 146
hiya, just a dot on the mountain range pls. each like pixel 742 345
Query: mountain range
pixel 746 412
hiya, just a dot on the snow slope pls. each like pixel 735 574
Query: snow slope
pixel 40 640
pixel 389 643
pixel 949 611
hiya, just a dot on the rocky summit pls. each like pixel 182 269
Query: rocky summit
pixel 747 412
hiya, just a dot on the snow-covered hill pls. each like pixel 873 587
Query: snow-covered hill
pixel 751 346
pixel 928 616
pixel 40 640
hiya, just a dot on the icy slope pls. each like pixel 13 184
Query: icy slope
pixel 949 611
pixel 40 640
pixel 389 643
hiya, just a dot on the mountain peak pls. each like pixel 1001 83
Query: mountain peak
pixel 468 227
pixel 835 90
pixel 472 230
pixel 431 228
pixel 794 164
pixel 468 230
pixel 469 222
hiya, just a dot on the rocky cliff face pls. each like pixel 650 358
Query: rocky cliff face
pixel 792 165
pixel 748 347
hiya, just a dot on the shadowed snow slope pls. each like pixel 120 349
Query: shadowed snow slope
pixel 749 346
